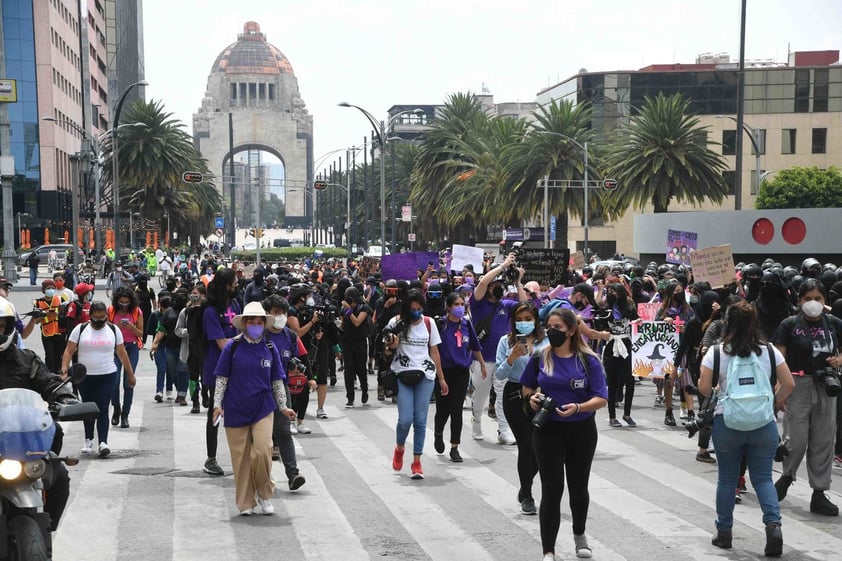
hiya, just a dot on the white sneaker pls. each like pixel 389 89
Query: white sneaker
pixel 293 428
pixel 104 450
pixel 88 446
pixel 505 438
pixel 549 557
pixel 247 512
pixel 683 414
pixel 303 430
pixel 476 429
pixel 266 507
pixel 320 414
pixel 169 396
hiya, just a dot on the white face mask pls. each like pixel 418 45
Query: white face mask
pixel 310 302
pixel 812 309
pixel 280 322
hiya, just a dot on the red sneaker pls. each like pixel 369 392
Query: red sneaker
pixel 417 472
pixel 397 459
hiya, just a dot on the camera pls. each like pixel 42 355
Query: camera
pixel 327 311
pixel 546 406
pixel 826 376
pixel 511 274
pixel 397 329
pixel 296 364
pixel 704 419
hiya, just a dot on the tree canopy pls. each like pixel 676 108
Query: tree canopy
pixel 802 187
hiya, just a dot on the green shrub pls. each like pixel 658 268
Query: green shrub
pixel 288 253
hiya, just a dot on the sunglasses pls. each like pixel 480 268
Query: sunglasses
pixel 434 293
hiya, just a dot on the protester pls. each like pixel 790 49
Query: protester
pixel 125 313
pixel 616 355
pixel 357 326
pixel 51 308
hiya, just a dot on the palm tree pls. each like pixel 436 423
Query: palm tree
pixel 546 151
pixel 662 154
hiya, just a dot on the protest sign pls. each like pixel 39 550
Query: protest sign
pixel 578 260
pixel 466 255
pixel 545 266
pixel 680 245
pixel 404 266
pixel 648 311
pixel 654 344
pixel 714 265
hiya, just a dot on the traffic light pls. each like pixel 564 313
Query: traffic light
pixel 192 177
pixel 609 184
pixel 319 185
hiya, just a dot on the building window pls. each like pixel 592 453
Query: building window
pixel 788 141
pixel 820 87
pixel 233 92
pixel 730 178
pixel 754 185
pixel 759 136
pixel 252 91
pixel 271 91
pixel 819 141
pixel 261 91
pixel 729 143
pixel 802 91
pixel 242 96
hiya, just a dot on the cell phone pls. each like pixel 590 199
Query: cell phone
pixel 521 339
pixel 218 420
pixel 124 320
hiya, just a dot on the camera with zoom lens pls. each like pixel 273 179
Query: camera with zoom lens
pixel 826 376
pixel 397 329
pixel 546 406
pixel 296 364
pixel 704 420
pixel 511 274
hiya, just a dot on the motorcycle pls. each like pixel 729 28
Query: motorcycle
pixel 27 428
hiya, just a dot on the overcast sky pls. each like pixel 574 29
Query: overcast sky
pixel 379 53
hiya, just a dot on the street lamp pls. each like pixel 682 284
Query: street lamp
pixel 115 174
pixel 381 127
pixel 754 137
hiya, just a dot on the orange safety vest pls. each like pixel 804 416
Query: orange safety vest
pixel 49 327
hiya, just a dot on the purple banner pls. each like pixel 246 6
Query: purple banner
pixel 404 266
pixel 680 245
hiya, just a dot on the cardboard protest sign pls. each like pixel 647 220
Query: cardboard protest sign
pixel 466 255
pixel 404 266
pixel 545 266
pixel 713 264
pixel 578 260
pixel 654 344
pixel 680 245
pixel 648 311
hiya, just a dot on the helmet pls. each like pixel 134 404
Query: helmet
pixel 790 272
pixel 7 312
pixel 811 267
pixel 767 263
pixel 752 270
pixel 829 267
pixel 663 269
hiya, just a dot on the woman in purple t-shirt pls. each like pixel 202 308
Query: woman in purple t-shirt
pixel 249 387
pixel 571 374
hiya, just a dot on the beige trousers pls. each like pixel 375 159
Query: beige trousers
pixel 251 456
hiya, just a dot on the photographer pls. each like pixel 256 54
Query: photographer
pixel 357 326
pixel 490 315
pixel 810 343
pixel 572 388
pixel 742 338
pixel 387 307
pixel 255 290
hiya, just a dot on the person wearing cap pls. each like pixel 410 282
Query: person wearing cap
pixel 79 309
pixel 52 335
pixel 490 314
pixel 249 387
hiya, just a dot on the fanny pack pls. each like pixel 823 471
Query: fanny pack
pixel 411 377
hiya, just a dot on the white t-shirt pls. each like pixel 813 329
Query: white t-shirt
pixel 413 352
pixel 724 358
pixel 96 348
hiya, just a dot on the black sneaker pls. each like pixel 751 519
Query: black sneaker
pixel 669 419
pixel 349 405
pixel 722 539
pixel 195 409
pixel 774 540
pixel 455 456
pixel 115 417
pixel 333 381
pixel 296 481
pixel 276 453
pixel 438 442
pixel 365 397
pixel 705 457
pixel 527 506
pixel 781 486
pixel 211 467
pixel 820 504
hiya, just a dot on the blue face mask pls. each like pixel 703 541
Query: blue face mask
pixel 525 327
pixel 254 331
pixel 416 315
pixel 50 292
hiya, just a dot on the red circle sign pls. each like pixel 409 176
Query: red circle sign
pixel 794 231
pixel 763 231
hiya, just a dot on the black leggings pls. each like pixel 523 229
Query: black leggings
pixel 619 373
pixel 355 356
pixel 300 401
pixel 450 406
pixel 211 431
pixel 521 427
pixel 560 446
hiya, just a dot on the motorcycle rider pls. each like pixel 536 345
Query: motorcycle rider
pixel 21 368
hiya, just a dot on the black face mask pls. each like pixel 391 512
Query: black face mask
pixel 497 292
pixel 678 299
pixel 556 337
pixel 580 305
pixel 97 323
pixel 610 300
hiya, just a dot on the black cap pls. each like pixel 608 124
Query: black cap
pixel 587 291
pixel 371 280
pixel 5 282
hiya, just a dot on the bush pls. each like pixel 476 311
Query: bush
pixel 802 187
pixel 288 253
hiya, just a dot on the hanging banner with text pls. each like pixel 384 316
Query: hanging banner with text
pixel 680 245
pixel 545 266
pixel 654 344
pixel 404 266
pixel 714 265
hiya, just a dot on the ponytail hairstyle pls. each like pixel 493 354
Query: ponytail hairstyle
pixel 577 344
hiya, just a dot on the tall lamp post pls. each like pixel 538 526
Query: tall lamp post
pixel 754 137
pixel 381 127
pixel 115 164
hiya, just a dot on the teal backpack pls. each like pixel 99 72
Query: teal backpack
pixel 748 398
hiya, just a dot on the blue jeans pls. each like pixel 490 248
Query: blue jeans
pixel 128 391
pixel 163 372
pixel 176 372
pixel 98 389
pixel 759 447
pixel 33 276
pixel 413 405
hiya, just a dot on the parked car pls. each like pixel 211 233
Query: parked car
pixel 375 251
pixel 43 252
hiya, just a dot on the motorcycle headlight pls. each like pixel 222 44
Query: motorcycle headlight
pixel 34 470
pixel 10 469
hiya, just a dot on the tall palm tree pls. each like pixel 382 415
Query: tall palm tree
pixel 663 154
pixel 545 151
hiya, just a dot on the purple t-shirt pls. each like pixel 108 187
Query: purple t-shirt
pixel 250 371
pixel 286 343
pixel 499 325
pixel 216 327
pixel 458 344
pixel 567 382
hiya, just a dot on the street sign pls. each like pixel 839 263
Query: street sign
pixel 8 91
pixel 219 222
pixel 219 232
pixel 411 237
pixel 319 185
pixel 609 184
pixel 406 213
pixel 192 177
pixel 552 228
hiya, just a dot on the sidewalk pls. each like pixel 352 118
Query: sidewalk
pixel 22 285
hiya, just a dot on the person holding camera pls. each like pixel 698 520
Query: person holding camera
pixel 514 350
pixel 810 343
pixel 412 348
pixel 564 385
pixel 490 314
pixel 357 325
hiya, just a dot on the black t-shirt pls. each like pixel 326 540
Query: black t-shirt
pixel 351 332
pixel 169 320
pixel 804 340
